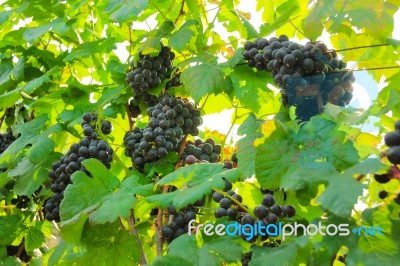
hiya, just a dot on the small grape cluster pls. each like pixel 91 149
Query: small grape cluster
pixel 150 71
pixel 392 140
pixel 180 220
pixel 21 202
pixel 268 213
pixel 150 100
pixel 170 120
pixel 199 150
pixel 246 258
pixel 88 147
pixel 227 207
pixel 309 75
pixel 6 140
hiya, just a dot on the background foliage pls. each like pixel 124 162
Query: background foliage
pixel 58 60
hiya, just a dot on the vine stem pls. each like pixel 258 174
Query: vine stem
pixel 2 119
pixel 133 231
pixel 357 47
pixel 181 12
pixel 20 248
pixel 294 26
pixel 131 122
pixel 156 7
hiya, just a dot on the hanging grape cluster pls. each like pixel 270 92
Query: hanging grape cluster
pixel 88 147
pixel 170 120
pixel 227 207
pixel 150 71
pixel 179 221
pixel 392 140
pixel 309 75
pixel 267 213
pixel 199 150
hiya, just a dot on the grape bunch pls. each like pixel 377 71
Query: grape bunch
pixel 6 140
pixel 150 71
pixel 199 150
pixel 268 213
pixel 392 140
pixel 227 207
pixel 170 120
pixel 309 75
pixel 88 147
pixel 178 225
pixel 21 202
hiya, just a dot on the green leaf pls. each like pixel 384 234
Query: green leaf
pixel 87 49
pixel 40 149
pixel 342 204
pixel 247 83
pixel 103 198
pixel 194 182
pixel 108 242
pixel 251 31
pixel 290 254
pixel 214 252
pixel 272 160
pixel 32 34
pixel 129 10
pixel 36 234
pixel 246 153
pixel 182 37
pixel 290 8
pixel 28 132
pixel 153 41
pixel 10 229
pixel 202 80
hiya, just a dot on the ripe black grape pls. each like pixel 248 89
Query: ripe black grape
pixel 392 139
pixel 288 211
pixel 268 200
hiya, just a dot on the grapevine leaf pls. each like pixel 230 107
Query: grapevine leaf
pixel 153 41
pixel 202 80
pixel 341 205
pixel 29 132
pixel 283 18
pixel 98 198
pixel 36 234
pixel 129 10
pixel 213 252
pixel 10 229
pixel 247 83
pixel 181 37
pixel 102 197
pixel 108 241
pixel 88 49
pixel 272 160
pixel 246 153
pixel 170 260
pixel 194 182
pixel 290 254
pixel 32 34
